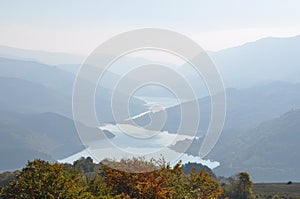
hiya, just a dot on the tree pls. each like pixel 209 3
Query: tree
pixel 240 187
pixel 176 179
pixel 6 177
pixel 201 185
pixel 40 179
pixel 159 181
pixel 85 165
pixel 128 178
pixel 245 185
pixel 141 179
pixel 98 188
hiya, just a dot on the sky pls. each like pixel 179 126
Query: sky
pixel 78 27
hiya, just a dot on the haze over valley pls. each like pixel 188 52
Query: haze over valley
pixel 263 102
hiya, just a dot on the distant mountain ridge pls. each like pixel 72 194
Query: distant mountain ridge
pixel 262 61
pixel 39 73
pixel 265 60
pixel 59 82
pixel 46 57
pixel 245 107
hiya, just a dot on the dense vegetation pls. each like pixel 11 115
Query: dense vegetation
pixel 84 179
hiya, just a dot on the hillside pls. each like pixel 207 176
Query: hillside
pixel 46 75
pixel 269 152
pixel 43 84
pixel 49 136
pixel 265 60
pixel 51 58
pixel 245 107
pixel 18 95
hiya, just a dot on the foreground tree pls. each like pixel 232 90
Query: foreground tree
pixel 40 179
pixel 128 178
pixel 161 181
pixel 135 178
pixel 202 185
pixel 98 188
pixel 176 181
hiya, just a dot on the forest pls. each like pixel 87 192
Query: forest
pixel 127 178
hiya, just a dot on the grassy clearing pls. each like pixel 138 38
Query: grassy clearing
pixel 282 190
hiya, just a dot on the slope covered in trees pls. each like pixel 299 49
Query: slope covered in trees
pixel 269 152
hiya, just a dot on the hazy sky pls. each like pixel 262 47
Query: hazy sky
pixel 80 26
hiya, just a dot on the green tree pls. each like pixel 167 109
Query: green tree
pixel 40 179
pixel 245 185
pixel 176 180
pixel 85 165
pixel 98 188
pixel 201 185
pixel 240 187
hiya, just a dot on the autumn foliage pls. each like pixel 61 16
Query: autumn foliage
pixel 130 178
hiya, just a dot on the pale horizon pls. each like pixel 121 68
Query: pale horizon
pixel 79 27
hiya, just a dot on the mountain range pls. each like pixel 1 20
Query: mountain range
pixel 245 107
pixel 43 81
pixel 45 57
pixel 262 61
pixel 262 122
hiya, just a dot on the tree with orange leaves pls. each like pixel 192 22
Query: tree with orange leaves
pixel 137 178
